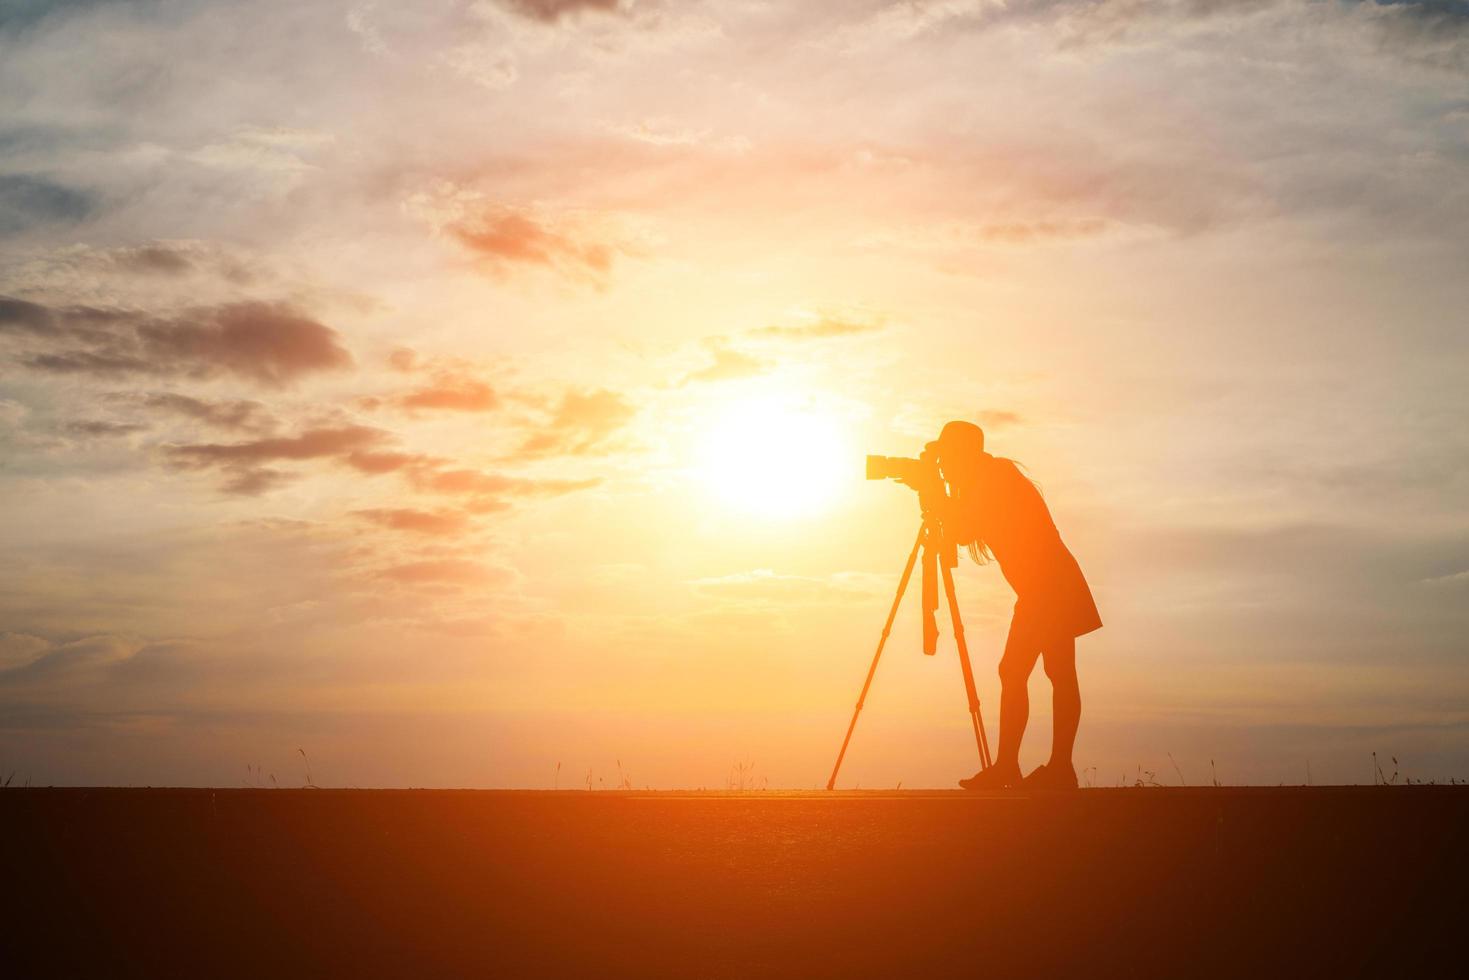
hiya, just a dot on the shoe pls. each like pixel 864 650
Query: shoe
pixel 1051 777
pixel 995 777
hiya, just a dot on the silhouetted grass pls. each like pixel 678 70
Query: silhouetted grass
pixel 310 783
pixel 742 779
pixel 1379 779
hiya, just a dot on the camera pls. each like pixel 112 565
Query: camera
pixel 921 474
pixel 902 468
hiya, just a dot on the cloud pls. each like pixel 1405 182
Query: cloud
pixel 254 481
pixel 375 463
pixel 1110 188
pixel 119 274
pixel 489 64
pixel 824 327
pixel 479 491
pixel 581 424
pixel 239 414
pixel 243 463
pixel 100 428
pixel 452 388
pixel 484 492
pixel 12 413
pixel 1036 232
pixel 356 447
pixel 445 571
pixel 454 393
pixel 273 344
pixel 727 365
pixel 1451 579
pixel 661 132
pixel 512 236
pixel 551 11
pixel 153 258
pixel 1073 23
pixel 997 418
pixel 403 359
pixel 69 661
pixel 1433 33
pixel 18 315
pixel 163 259
pixel 18 17
pixel 312 444
pixel 20 649
pixel 432 523
pixel 28 201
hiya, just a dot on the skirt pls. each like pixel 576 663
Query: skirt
pixel 1058 603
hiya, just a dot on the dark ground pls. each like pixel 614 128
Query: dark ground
pixel 1103 882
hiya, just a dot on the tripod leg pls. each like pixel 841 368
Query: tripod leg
pixel 980 741
pixel 881 642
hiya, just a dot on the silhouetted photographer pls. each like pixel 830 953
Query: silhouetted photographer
pixel 999 514
pixel 985 504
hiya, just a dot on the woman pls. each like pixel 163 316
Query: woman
pixel 997 512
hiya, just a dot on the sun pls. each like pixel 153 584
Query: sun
pixel 776 456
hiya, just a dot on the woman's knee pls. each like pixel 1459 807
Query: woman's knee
pixel 1015 669
pixel 1060 666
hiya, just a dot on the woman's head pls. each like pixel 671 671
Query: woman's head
pixel 961 451
pixel 961 461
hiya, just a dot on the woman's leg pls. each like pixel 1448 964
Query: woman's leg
pixel 1060 667
pixel 1021 652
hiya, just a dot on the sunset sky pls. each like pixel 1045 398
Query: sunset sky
pixel 459 390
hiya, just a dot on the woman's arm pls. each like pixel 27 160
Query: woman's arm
pixel 959 514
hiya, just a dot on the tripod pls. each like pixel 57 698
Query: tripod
pixel 939 555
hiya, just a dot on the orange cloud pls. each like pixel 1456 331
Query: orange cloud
pixel 455 393
pixel 433 523
pixel 997 418
pixel 550 11
pixel 581 424
pixel 509 236
pixel 466 482
pixel 375 463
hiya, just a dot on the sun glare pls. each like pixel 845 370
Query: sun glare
pixel 776 457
